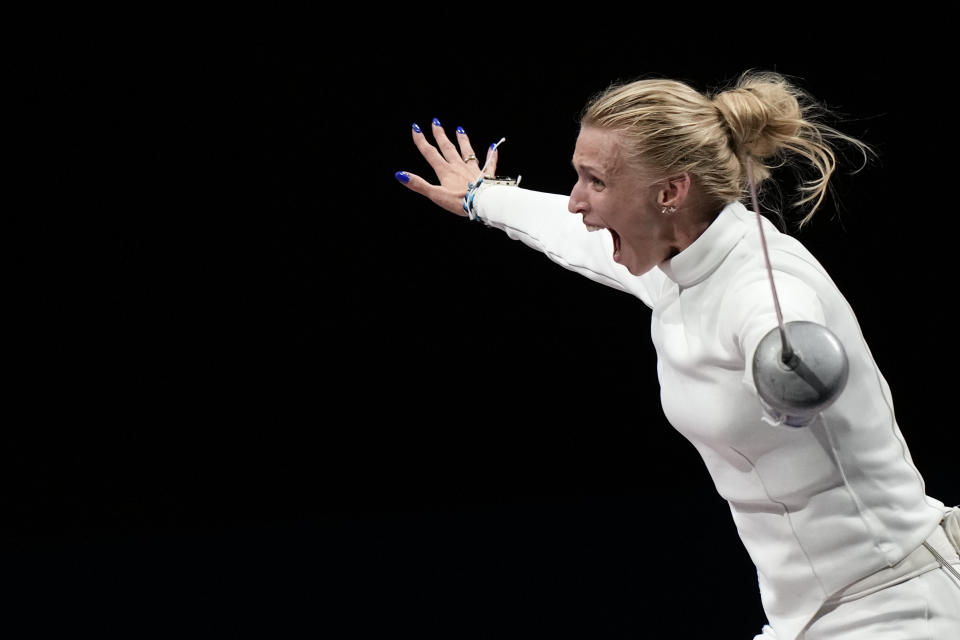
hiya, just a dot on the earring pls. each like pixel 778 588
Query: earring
pixel 668 210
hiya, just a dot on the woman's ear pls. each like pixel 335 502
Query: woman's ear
pixel 674 191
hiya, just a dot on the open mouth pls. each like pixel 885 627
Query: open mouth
pixel 613 234
pixel 616 245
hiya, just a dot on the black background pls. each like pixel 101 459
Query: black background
pixel 258 386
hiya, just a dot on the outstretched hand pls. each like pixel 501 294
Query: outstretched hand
pixel 455 169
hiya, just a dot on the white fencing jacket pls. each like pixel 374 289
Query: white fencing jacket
pixel 817 507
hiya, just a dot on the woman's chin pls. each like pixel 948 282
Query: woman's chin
pixel 636 268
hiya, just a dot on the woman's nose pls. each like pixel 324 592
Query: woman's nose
pixel 575 204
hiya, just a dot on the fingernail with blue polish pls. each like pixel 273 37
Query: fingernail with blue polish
pixel 402 176
pixel 460 130
pixel 416 128
pixel 436 122
pixel 493 145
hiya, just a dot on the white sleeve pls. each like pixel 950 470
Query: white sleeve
pixel 750 314
pixel 542 221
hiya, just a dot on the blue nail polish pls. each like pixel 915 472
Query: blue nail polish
pixel 416 128
pixel 493 145
pixel 402 177
pixel 460 130
pixel 436 122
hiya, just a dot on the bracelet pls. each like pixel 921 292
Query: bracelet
pixel 474 187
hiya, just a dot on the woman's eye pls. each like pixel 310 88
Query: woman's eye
pixel 597 182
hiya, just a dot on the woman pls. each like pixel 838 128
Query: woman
pixel 833 513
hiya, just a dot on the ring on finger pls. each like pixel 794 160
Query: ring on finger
pixel 470 157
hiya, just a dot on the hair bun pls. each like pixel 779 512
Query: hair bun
pixel 762 112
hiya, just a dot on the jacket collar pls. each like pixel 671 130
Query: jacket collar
pixel 695 263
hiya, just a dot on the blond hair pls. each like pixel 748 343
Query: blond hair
pixel 671 127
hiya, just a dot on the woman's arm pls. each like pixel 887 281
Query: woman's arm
pixel 539 220
pixel 542 221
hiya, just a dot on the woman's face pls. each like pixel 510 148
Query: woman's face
pixel 625 201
